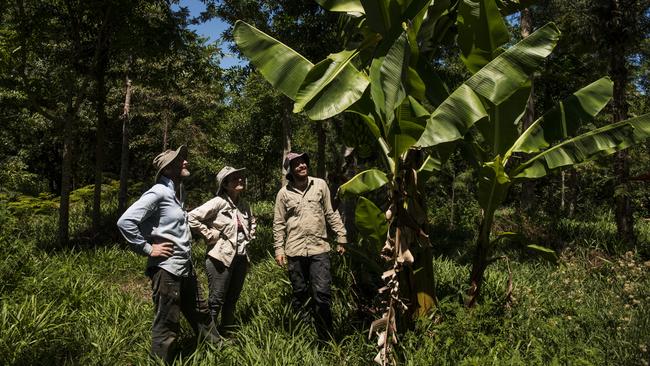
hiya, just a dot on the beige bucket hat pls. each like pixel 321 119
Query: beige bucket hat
pixel 166 157
pixel 223 174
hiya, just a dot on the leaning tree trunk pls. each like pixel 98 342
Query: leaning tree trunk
pixel 528 188
pixel 619 74
pixel 124 158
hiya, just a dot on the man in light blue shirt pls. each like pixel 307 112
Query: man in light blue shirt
pixel 156 226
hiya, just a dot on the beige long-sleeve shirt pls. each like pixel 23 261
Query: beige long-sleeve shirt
pixel 217 221
pixel 300 219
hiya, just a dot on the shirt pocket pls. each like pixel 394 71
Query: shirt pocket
pixel 292 206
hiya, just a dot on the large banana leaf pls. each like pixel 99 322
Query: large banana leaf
pixel 481 32
pixel 280 65
pixel 342 6
pixel 382 16
pixel 453 117
pixel 371 222
pixel 408 126
pixel 510 70
pixel 366 181
pixel 322 91
pixel 330 87
pixel 497 81
pixel 565 118
pixel 600 142
pixel 430 165
pixel 500 130
pixel 391 74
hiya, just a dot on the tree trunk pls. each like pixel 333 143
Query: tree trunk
pixel 320 168
pixel 124 159
pixel 99 146
pixel 528 188
pixel 619 74
pixel 286 139
pixel 100 64
pixel 480 260
pixel 572 196
pixel 66 176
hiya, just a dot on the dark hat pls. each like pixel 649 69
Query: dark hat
pixel 223 174
pixel 166 157
pixel 291 157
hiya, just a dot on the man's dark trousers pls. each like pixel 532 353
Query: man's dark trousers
pixel 313 271
pixel 171 296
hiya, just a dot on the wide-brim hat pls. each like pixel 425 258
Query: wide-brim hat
pixel 223 174
pixel 291 157
pixel 165 158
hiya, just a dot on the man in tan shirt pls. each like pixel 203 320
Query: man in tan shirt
pixel 302 210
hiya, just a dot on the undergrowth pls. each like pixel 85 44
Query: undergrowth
pixel 91 305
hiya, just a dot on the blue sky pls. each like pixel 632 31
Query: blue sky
pixel 211 30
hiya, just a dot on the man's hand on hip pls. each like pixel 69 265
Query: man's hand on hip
pixel 162 250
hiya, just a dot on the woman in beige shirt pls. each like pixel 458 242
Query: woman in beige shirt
pixel 228 226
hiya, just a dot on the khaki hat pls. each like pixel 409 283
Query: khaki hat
pixel 166 157
pixel 291 157
pixel 223 174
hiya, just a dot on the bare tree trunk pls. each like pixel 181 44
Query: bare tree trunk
pixel 66 176
pixel 528 188
pixel 165 130
pixel 99 146
pixel 320 168
pixel 619 73
pixel 100 66
pixel 124 159
pixel 286 139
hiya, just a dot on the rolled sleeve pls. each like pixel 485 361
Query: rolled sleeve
pixel 197 218
pixel 129 222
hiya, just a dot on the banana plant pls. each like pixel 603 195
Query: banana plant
pixel 495 99
pixel 383 76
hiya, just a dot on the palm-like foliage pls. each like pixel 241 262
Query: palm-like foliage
pixel 382 76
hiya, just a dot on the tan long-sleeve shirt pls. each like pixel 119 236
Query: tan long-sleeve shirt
pixel 300 219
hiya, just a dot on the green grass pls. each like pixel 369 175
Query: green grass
pixel 90 305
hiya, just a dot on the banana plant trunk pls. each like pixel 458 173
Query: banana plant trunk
pixel 480 261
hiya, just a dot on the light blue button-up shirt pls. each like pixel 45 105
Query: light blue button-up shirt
pixel 158 216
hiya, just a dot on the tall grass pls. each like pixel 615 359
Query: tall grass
pixel 91 305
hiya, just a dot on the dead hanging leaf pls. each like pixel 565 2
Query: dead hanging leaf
pixel 390 273
pixel 378 324
pixel 383 289
pixel 405 257
pixel 379 359
pixel 381 339
pixel 389 214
